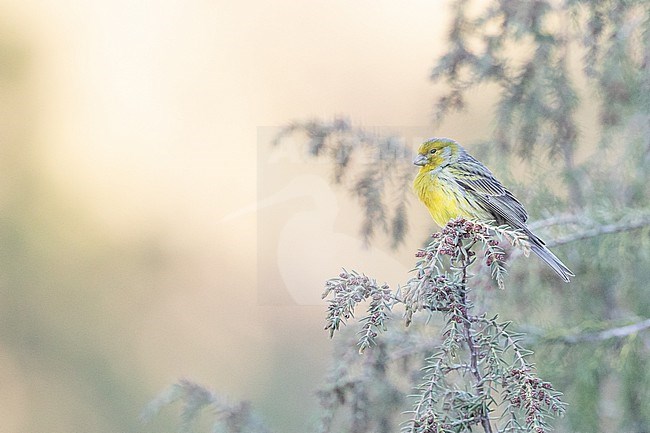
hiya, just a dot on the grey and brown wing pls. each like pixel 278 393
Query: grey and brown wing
pixel 477 179
pixel 504 206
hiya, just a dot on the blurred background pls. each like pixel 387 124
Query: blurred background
pixel 131 134
pixel 150 231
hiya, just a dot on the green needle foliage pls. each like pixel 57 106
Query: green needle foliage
pixel 476 374
pixel 198 403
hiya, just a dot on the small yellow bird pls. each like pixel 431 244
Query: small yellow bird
pixel 452 184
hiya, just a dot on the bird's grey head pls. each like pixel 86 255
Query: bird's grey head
pixel 438 152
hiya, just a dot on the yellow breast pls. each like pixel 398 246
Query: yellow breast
pixel 444 198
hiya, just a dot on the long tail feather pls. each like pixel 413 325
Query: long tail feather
pixel 550 258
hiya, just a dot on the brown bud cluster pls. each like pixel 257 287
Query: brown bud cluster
pixel 492 257
pixel 533 393
pixel 428 424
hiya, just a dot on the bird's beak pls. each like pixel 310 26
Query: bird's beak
pixel 420 160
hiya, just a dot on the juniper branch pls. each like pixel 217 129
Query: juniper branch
pixel 471 344
pixel 448 400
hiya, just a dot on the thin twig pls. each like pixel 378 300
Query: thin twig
pixel 471 344
pixel 602 230
pixel 590 337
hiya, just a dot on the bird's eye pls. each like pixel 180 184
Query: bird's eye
pixel 432 151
